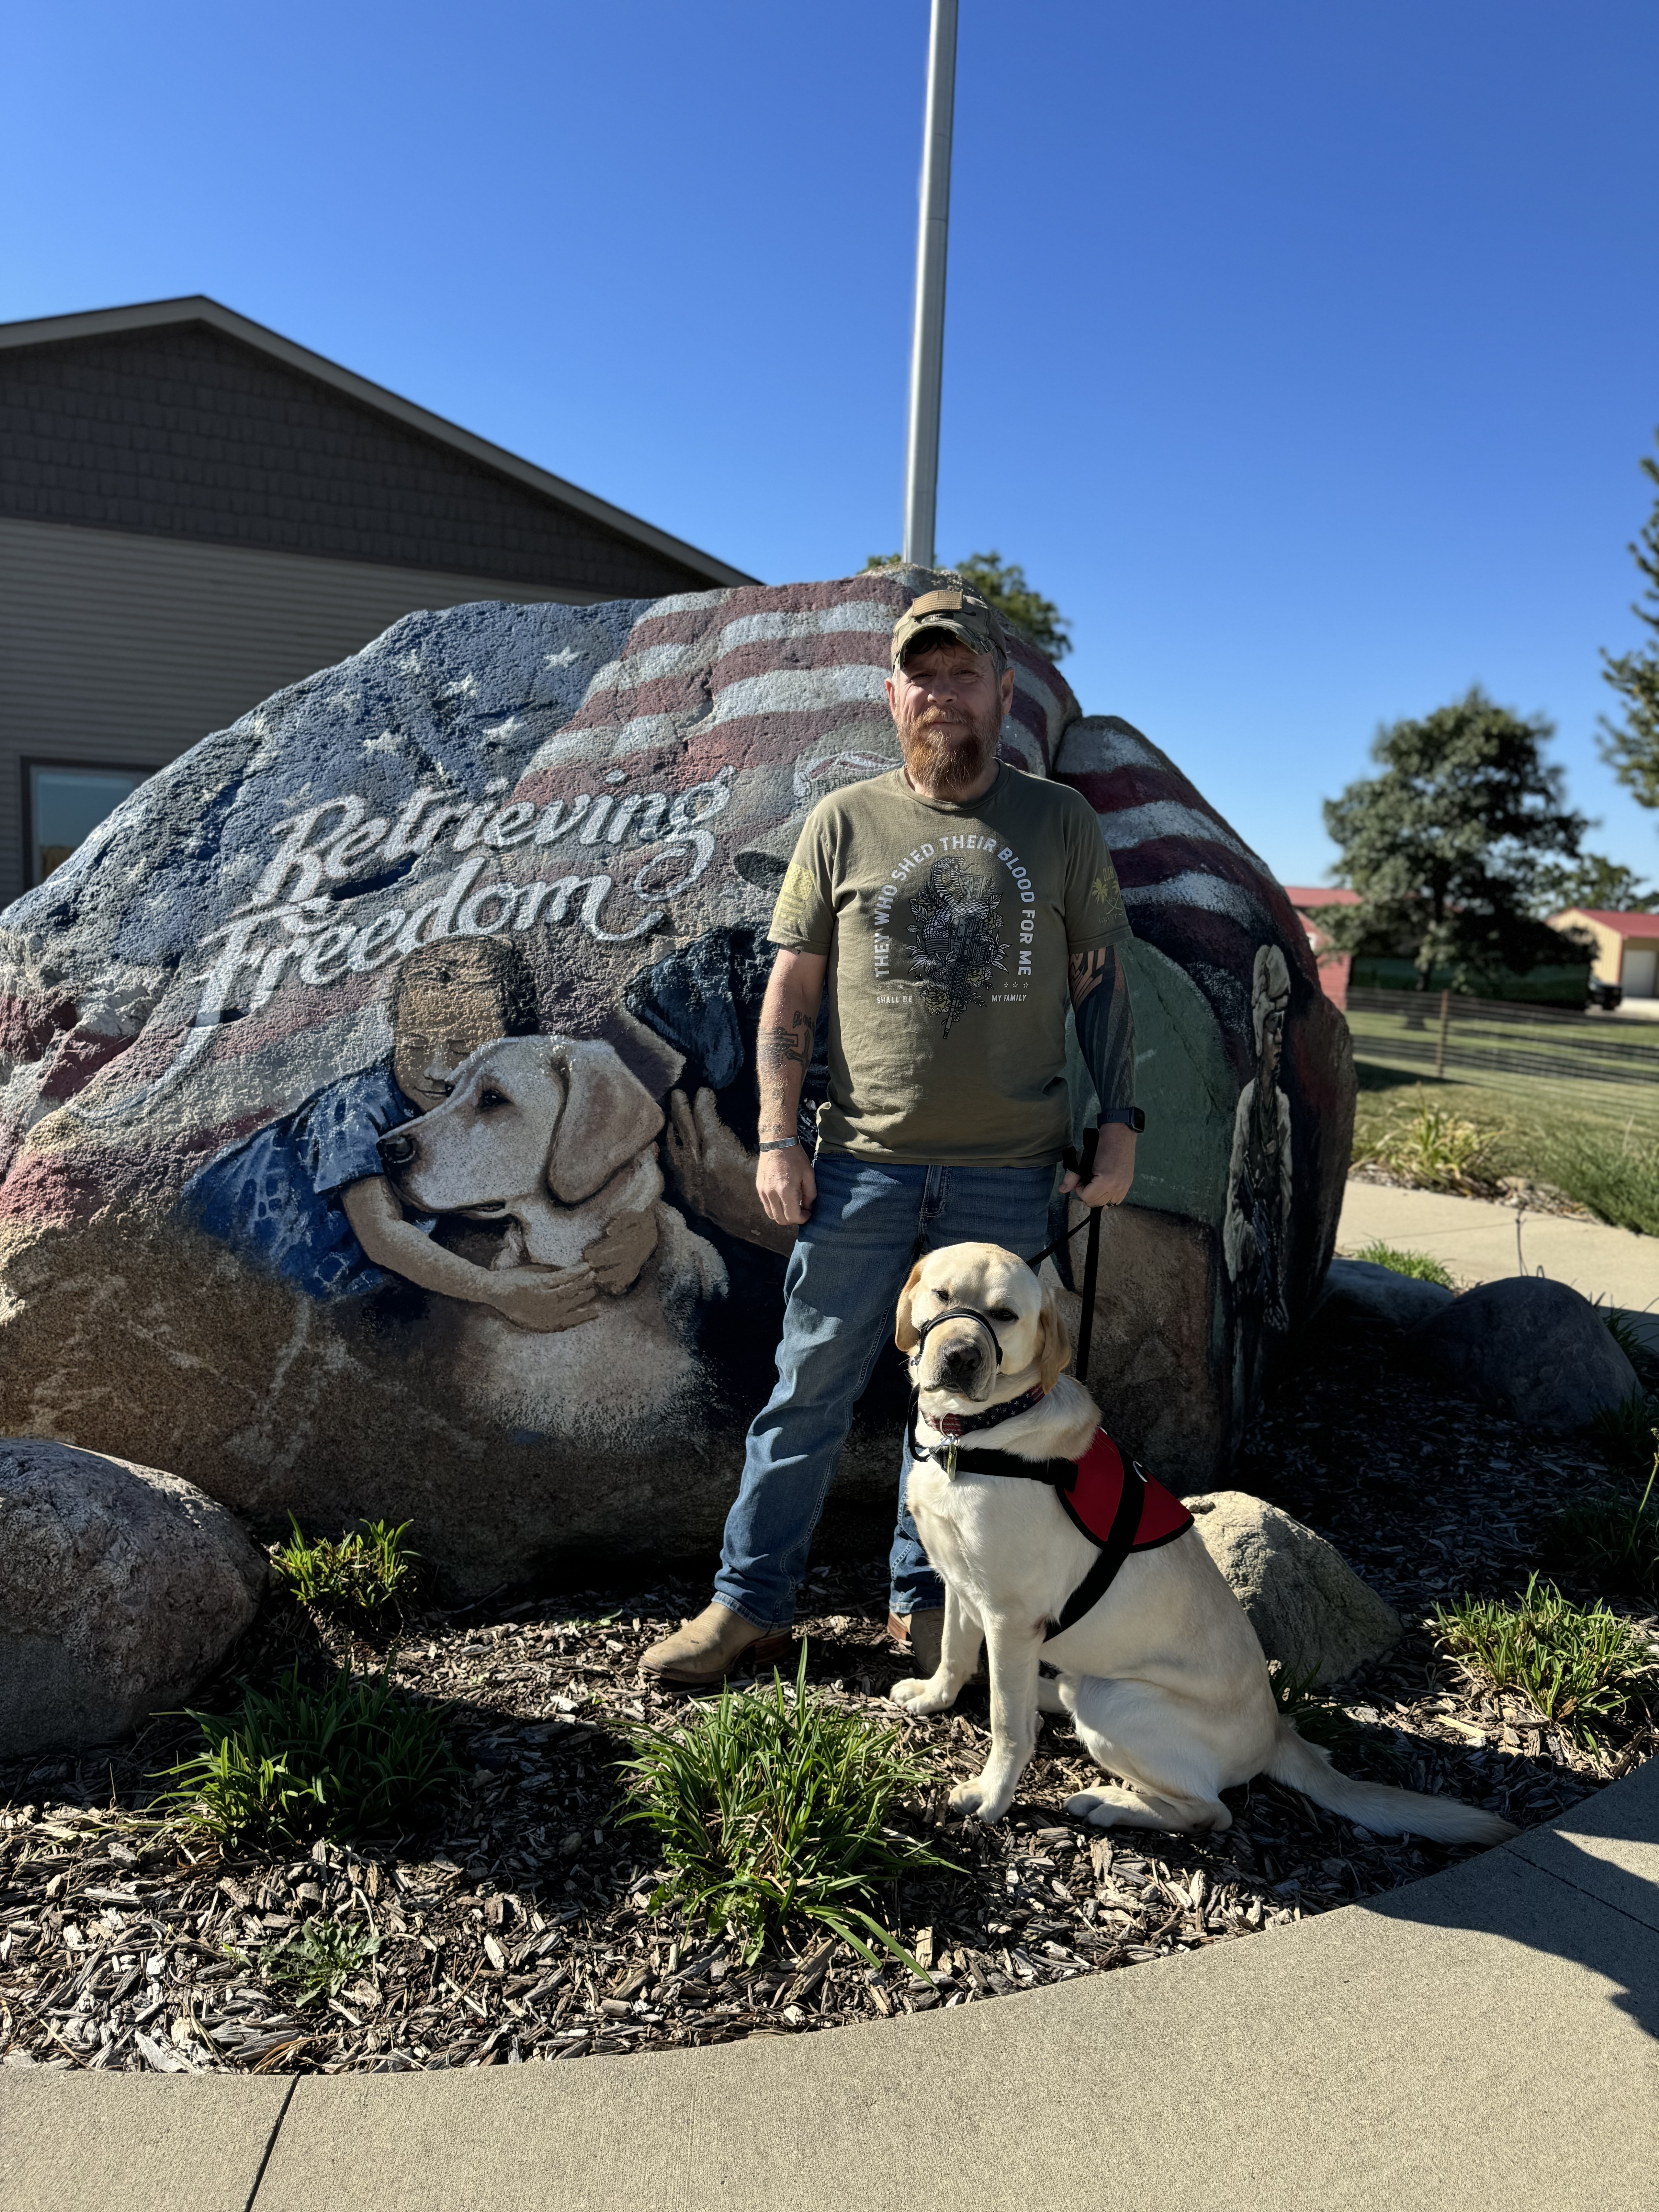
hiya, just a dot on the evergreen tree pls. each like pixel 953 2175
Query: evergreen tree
pixel 1630 747
pixel 1448 846
pixel 1591 881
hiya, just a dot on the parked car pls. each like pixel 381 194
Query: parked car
pixel 1605 995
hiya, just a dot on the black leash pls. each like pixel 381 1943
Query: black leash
pixel 1083 1168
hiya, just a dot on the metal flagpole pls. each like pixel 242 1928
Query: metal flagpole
pixel 927 347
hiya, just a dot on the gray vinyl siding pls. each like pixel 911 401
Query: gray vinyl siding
pixel 120 650
pixel 182 430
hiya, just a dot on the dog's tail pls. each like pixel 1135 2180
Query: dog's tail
pixel 1387 1812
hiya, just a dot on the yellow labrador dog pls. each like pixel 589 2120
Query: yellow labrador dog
pixel 1163 1674
pixel 555 1137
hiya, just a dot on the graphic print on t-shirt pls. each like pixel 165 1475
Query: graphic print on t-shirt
pixel 956 937
pixel 946 929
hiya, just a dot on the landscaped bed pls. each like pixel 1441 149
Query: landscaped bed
pixel 515 1919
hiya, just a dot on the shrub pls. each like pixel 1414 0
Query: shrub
pixel 1419 1266
pixel 774 1803
pixel 363 1573
pixel 296 1761
pixel 321 1958
pixel 1572 1664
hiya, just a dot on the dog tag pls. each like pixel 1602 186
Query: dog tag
pixel 951 1456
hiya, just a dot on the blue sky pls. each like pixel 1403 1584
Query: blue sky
pixel 1303 354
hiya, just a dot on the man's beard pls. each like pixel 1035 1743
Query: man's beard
pixel 948 754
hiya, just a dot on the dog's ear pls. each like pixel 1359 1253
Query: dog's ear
pixel 904 1334
pixel 608 1116
pixel 1054 1346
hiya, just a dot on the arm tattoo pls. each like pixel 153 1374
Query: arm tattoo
pixel 776 1046
pixel 1086 972
pixel 783 1050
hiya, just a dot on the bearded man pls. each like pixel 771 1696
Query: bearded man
pixel 957 908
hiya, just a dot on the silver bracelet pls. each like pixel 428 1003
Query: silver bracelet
pixel 778 1144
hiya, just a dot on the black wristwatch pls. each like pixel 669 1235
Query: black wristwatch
pixel 1129 1117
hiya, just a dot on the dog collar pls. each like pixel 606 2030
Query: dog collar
pixel 966 1424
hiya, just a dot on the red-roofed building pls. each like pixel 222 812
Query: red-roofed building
pixel 1333 966
pixel 1626 946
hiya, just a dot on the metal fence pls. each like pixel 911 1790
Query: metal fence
pixel 1510 1046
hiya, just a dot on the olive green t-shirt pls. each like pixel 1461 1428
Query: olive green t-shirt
pixel 948 928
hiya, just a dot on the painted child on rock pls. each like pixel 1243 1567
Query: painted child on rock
pixel 307 1197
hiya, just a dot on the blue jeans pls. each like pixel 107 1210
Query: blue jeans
pixel 868 1225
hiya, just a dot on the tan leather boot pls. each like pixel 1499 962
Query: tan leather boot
pixel 706 1650
pixel 927 1632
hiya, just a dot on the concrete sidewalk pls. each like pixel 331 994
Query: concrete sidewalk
pixel 1476 1242
pixel 1488 2036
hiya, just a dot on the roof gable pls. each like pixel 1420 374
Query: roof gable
pixel 184 420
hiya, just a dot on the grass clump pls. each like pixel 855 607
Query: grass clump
pixel 773 1804
pixel 1574 1665
pixel 1631 1341
pixel 363 1573
pixel 321 1958
pixel 1562 1135
pixel 1614 1171
pixel 1316 1716
pixel 1626 1432
pixel 1421 1267
pixel 296 1761
pixel 1434 1149
pixel 1612 1538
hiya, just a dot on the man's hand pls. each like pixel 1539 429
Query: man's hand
pixel 544 1298
pixel 1114 1167
pixel 786 1186
pixel 617 1256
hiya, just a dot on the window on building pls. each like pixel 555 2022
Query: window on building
pixel 66 805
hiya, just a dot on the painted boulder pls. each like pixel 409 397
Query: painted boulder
pixel 350 1031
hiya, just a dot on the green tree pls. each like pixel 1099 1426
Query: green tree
pixel 1631 746
pixel 1003 583
pixel 1448 845
pixel 1591 881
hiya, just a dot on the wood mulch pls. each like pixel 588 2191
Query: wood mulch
pixel 518 1925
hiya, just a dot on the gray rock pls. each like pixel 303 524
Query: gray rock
pixel 1311 1610
pixel 1363 1290
pixel 120 1589
pixel 545 842
pixel 1534 1349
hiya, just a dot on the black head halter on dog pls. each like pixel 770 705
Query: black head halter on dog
pixel 957 1313
pixel 1085 1167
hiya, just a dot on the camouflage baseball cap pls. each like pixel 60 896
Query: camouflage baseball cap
pixel 957 611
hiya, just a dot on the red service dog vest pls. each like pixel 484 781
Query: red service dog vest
pixel 1095 1496
pixel 1108 1499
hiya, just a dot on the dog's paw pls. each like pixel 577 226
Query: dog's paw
pixel 916 1694
pixel 977 1798
pixel 1091 1805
